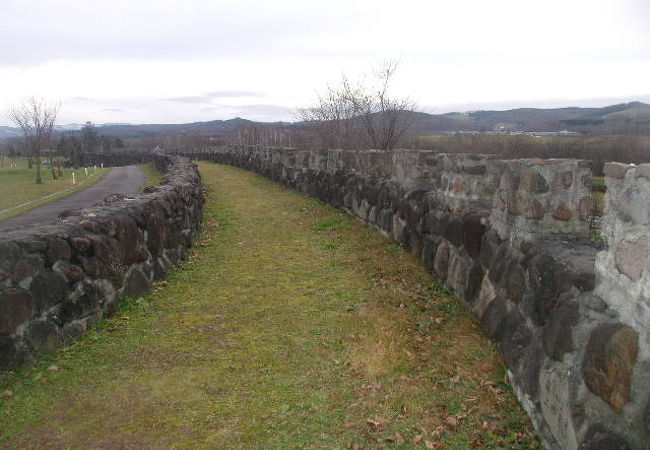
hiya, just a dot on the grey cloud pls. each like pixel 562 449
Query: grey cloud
pixel 210 96
pixel 254 112
pixel 235 94
pixel 36 31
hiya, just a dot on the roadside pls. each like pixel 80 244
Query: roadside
pixel 19 193
pixel 124 180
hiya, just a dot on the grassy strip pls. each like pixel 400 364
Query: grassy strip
pixel 17 186
pixel 290 326
pixel 152 176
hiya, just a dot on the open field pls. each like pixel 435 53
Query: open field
pixel 290 326
pixel 18 186
pixel 598 149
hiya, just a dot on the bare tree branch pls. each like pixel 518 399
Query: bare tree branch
pixel 35 117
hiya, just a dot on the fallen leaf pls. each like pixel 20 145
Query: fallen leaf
pixel 374 424
pixel 7 394
pixel 451 421
pixel 53 368
pixel 45 380
pixel 429 444
pixel 417 438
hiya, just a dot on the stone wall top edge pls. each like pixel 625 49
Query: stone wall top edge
pixel 488 156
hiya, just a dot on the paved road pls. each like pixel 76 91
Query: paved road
pixel 119 180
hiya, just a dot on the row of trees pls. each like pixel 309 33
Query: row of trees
pixel 36 117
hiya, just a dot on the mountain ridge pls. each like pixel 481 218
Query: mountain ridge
pixel 622 118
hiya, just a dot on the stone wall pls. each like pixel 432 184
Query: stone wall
pixel 57 279
pixel 508 237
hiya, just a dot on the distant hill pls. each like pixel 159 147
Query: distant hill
pixel 214 127
pixel 624 118
pixel 9 132
pixel 616 119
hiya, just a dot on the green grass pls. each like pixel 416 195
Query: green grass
pixel 18 186
pixel 152 176
pixel 290 326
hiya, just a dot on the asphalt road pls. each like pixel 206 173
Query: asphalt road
pixel 119 180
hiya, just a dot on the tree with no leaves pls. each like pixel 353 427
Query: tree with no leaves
pixel 35 117
pixel 361 114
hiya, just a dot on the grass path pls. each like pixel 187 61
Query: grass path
pixel 290 326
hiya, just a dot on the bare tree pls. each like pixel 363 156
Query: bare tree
pixel 361 114
pixel 35 117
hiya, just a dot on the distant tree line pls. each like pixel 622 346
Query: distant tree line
pixel 598 149
pixel 71 145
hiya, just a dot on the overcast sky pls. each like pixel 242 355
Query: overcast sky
pixel 171 61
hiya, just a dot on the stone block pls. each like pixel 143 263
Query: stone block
pixel 610 356
pixel 534 182
pixel 533 210
pixel 562 180
pixel 557 337
pixel 473 230
pixel 71 272
pixel 474 281
pixel 8 351
pixel 512 336
pixel 642 171
pixel 57 248
pixel 493 316
pixel 514 281
pixel 453 231
pixel 136 283
pixel 632 204
pixel 563 212
pixel 48 289
pixel 43 336
pixel 616 170
pixel 16 307
pixel 598 438
pixel 632 257
pixel 555 405
pixel 81 245
pixel 441 260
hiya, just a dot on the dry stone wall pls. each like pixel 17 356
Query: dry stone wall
pixel 569 318
pixel 57 279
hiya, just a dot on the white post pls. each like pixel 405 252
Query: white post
pixel 102 165
pixel 73 181
pixel 86 170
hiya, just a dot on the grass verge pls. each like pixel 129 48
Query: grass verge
pixel 152 176
pixel 17 186
pixel 290 326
